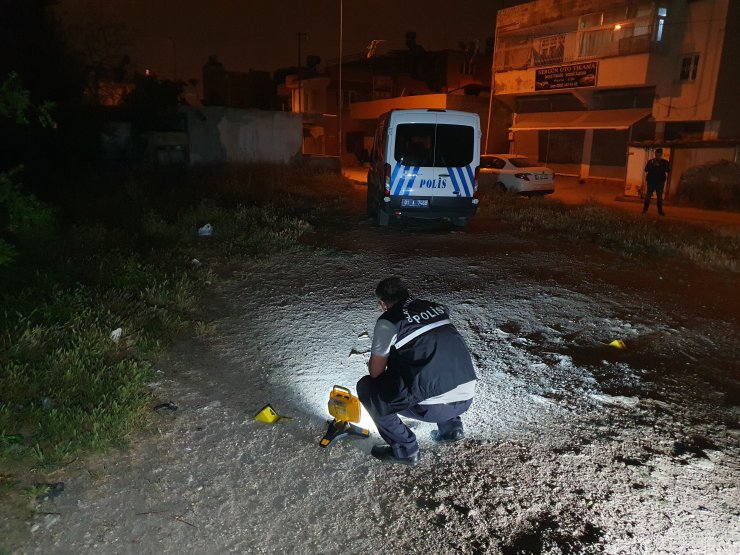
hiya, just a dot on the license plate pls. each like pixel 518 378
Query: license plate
pixel 541 176
pixel 415 202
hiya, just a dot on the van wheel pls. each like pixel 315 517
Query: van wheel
pixel 459 222
pixel 382 218
pixel 501 187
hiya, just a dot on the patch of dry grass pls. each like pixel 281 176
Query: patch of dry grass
pixel 616 230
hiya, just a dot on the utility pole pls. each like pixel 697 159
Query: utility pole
pixel 301 36
pixel 341 99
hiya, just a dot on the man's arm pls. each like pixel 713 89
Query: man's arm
pixel 384 336
pixel 377 365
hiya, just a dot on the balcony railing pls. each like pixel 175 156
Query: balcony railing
pixel 524 52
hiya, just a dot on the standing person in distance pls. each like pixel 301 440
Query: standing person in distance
pixel 656 172
pixel 419 368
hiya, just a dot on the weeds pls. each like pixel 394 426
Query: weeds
pixel 617 231
pixel 127 261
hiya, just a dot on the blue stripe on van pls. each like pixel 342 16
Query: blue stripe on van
pixel 394 175
pixel 471 176
pixel 463 181
pixel 454 180
pixel 399 185
pixel 410 182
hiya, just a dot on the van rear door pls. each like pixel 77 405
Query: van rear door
pixel 433 157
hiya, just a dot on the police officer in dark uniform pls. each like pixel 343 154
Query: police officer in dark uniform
pixel 656 171
pixel 420 368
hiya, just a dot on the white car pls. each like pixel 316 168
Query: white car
pixel 515 174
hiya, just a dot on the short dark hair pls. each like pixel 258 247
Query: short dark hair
pixel 392 290
pixel 658 151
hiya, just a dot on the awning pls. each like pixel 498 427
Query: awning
pixel 594 119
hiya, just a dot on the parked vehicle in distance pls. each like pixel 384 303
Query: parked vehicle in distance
pixel 515 174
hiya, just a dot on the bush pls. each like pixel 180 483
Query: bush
pixel 714 185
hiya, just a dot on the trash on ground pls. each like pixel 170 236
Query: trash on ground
pixel 116 334
pixel 168 406
pixel 205 231
pixel 195 262
pixel 618 344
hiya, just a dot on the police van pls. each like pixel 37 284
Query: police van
pixel 424 164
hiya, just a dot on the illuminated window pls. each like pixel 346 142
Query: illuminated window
pixel 662 15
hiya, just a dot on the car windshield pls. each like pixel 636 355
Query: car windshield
pixel 521 162
pixel 427 144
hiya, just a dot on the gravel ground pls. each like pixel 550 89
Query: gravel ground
pixel 572 446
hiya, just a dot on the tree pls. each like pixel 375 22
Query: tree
pixel 22 216
pixel 33 47
pixel 152 105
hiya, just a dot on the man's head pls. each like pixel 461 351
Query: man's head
pixel 391 291
pixel 658 152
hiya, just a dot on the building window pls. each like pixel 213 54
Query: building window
pixel 662 15
pixel 552 49
pixel 689 67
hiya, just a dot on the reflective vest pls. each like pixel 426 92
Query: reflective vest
pixel 429 354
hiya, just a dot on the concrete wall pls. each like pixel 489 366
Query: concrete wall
pixel 219 135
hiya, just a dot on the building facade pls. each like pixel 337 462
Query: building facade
pixel 375 83
pixel 585 79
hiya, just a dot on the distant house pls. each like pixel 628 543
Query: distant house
pixel 595 85
pixel 251 90
pixel 372 84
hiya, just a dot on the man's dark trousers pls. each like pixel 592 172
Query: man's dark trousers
pixel 396 433
pixel 657 188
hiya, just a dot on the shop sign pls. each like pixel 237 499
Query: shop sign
pixel 566 77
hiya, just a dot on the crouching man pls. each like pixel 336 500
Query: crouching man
pixel 420 368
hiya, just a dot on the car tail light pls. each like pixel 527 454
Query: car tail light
pixel 524 176
pixel 387 168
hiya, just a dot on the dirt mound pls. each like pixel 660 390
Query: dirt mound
pixel 714 185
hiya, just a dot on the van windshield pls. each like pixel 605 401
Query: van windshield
pixel 434 145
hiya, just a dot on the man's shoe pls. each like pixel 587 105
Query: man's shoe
pixel 385 454
pixel 450 437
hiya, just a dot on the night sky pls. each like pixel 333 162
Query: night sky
pixel 174 38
